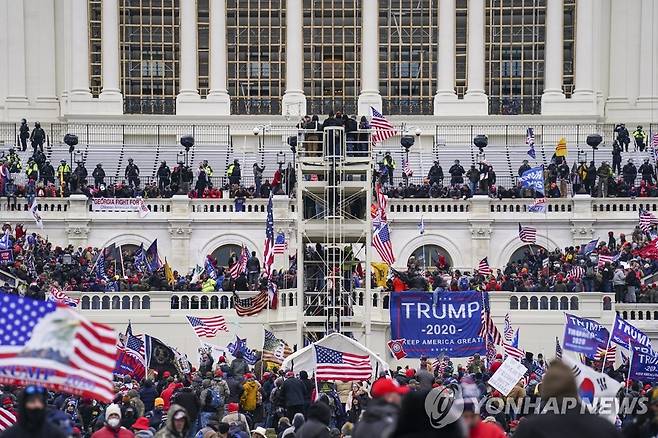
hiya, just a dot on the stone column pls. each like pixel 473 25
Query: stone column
pixel 188 99
pixel 583 100
pixel 553 97
pixel 16 71
pixel 446 58
pixel 218 93
pixel 475 55
pixel 79 51
pixel 294 101
pixel 648 87
pixel 369 58
pixel 111 92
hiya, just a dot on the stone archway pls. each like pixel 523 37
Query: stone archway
pixel 522 250
pixel 427 256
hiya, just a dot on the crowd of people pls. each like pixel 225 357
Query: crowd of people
pixel 224 398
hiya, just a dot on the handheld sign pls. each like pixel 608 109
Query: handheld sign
pixel 507 375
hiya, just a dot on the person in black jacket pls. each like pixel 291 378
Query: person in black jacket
pixel 132 173
pixel 630 172
pixel 37 137
pixel 24 134
pixel 317 423
pixel 253 269
pixel 99 175
pixel 47 173
pixel 148 395
pixel 189 401
pixel 309 385
pixel 201 182
pixel 456 172
pixel 646 169
pixel 164 176
pixel 32 421
pixel 616 157
pixel 293 392
pixel 435 174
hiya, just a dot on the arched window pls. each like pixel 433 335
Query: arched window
pixel 146 302
pixel 564 303
pixel 125 302
pixel 543 303
pixel 553 303
pixel 514 303
pixel 106 302
pixel 574 303
pixel 524 303
pixel 520 253
pixel 428 256
pixel 95 303
pixel 223 302
pixel 534 303
pixel 204 302
pixel 223 254
pixel 214 302
pixel 85 303
pixel 116 302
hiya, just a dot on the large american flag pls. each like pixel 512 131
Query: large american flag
pixel 381 240
pixel 604 258
pixel 268 251
pixel 275 350
pixel 383 129
pixel 71 353
pixel 382 202
pixel 487 325
pixel 339 365
pixel 131 358
pixel 7 419
pixel 252 305
pixel 207 327
pixel 240 264
pixel 654 140
pixel 576 273
pixel 527 234
pixel 484 268
pixel 280 244
pixel 609 355
pixel 406 168
pixel 647 219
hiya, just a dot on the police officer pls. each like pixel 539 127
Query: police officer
pixel 623 137
pixel 79 177
pixel 32 170
pixel 647 171
pixel 456 172
pixel 208 170
pixel 234 173
pixel 14 161
pixel 99 175
pixel 435 174
pixel 640 138
pixel 164 176
pixel 616 157
pixel 389 166
pixel 63 174
pixel 37 137
pixel 630 172
pixel 132 173
pixel 24 134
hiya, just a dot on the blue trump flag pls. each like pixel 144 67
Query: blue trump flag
pixel 240 346
pixel 624 333
pixel 584 335
pixel 534 178
pixel 644 365
pixel 451 326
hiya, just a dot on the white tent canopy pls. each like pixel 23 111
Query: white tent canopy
pixel 305 360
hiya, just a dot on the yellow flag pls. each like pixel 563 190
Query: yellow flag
pixel 561 148
pixel 380 269
pixel 169 274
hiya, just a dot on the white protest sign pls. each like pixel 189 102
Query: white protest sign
pixel 507 375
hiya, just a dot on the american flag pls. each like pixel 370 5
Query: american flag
pixel 484 268
pixel 275 350
pixel 268 251
pixel 240 264
pixel 406 168
pixel 558 348
pixel 339 365
pixel 508 331
pixel 59 296
pixel 510 350
pixel 7 419
pixel 131 358
pixel 135 343
pixel 252 305
pixel 487 326
pixel 383 129
pixel 530 141
pixel 609 357
pixel 604 258
pixel 527 234
pixel 647 219
pixel 280 244
pixel 654 140
pixel 382 201
pixel 381 240
pixel 491 350
pixel 576 273
pixel 72 354
pixel 207 327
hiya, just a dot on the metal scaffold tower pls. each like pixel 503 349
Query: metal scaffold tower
pixel 334 187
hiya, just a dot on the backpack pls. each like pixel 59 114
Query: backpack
pixel 214 399
pixel 237 429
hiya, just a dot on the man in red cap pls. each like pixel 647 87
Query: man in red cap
pixel 236 420
pixel 380 416
pixel 496 363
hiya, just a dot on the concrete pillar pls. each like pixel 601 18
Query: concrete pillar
pixel 294 101
pixel 111 92
pixel 446 58
pixel 648 87
pixel 218 94
pixel 369 58
pixel 188 94
pixel 79 51
pixel 553 97
pixel 16 99
pixel 475 95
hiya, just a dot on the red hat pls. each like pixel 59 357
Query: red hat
pixel 219 373
pixel 142 423
pixel 410 372
pixel 166 374
pixel 290 374
pixel 232 407
pixel 499 356
pixel 221 359
pixel 248 376
pixel 386 385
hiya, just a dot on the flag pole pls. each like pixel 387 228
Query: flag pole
pixel 607 347
pixel 123 271
pixel 630 363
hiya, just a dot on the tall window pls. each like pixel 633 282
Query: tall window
pixel 569 45
pixel 203 44
pixel 407 46
pixel 515 55
pixel 332 38
pixel 460 47
pixel 256 55
pixel 95 79
pixel 149 55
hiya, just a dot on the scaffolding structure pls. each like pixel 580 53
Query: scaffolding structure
pixel 334 194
